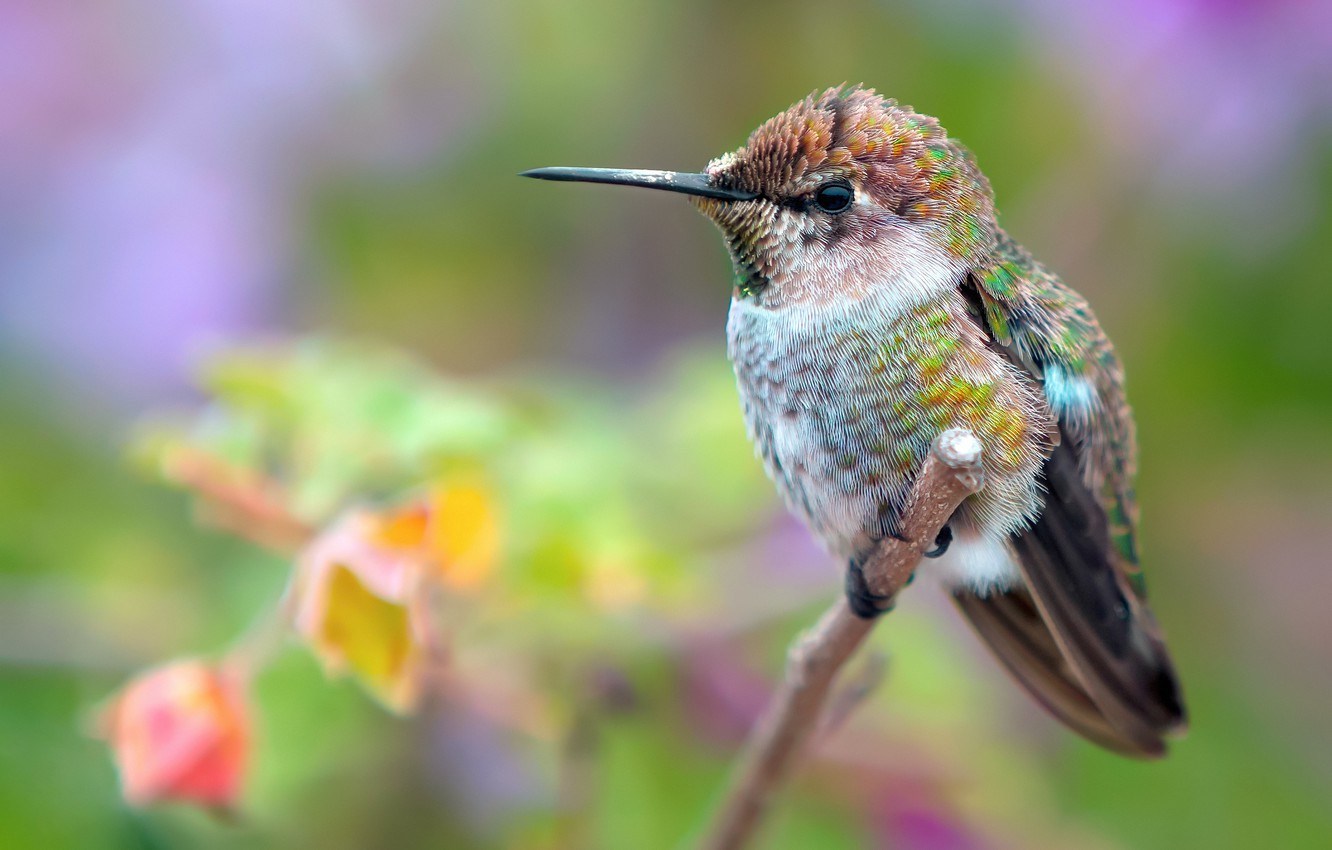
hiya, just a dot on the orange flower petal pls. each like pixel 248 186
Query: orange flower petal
pixel 402 529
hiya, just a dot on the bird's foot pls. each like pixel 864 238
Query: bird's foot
pixel 864 603
pixel 941 543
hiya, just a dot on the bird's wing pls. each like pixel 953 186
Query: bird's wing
pixel 1012 626
pixel 1079 634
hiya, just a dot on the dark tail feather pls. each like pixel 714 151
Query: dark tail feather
pixel 1103 629
pixel 1077 635
pixel 1014 630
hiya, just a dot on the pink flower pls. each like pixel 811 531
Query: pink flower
pixel 181 732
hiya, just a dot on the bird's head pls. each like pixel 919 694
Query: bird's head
pixel 844 193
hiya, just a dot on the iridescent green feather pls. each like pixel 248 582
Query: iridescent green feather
pixel 1049 327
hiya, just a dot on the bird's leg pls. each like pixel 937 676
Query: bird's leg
pixel 941 542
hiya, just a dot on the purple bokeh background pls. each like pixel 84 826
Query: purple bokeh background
pixel 154 157
pixel 152 160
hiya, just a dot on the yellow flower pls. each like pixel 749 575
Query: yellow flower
pixel 360 604
pixel 463 532
pixel 362 591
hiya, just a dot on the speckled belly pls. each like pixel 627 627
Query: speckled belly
pixel 843 400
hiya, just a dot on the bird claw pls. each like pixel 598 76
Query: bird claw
pixel 864 603
pixel 941 543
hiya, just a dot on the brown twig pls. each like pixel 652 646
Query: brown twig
pixel 237 500
pixel 951 473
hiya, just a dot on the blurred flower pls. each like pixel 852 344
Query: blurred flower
pixel 363 586
pixel 359 604
pixel 181 732
pixel 463 531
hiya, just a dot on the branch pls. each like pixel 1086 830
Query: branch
pixel 952 472
pixel 238 500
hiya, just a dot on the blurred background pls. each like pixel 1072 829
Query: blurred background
pixel 336 181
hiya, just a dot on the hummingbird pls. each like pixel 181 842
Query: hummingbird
pixel 876 303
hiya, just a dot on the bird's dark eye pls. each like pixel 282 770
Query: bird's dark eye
pixel 834 196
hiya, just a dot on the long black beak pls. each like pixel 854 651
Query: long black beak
pixel 671 181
